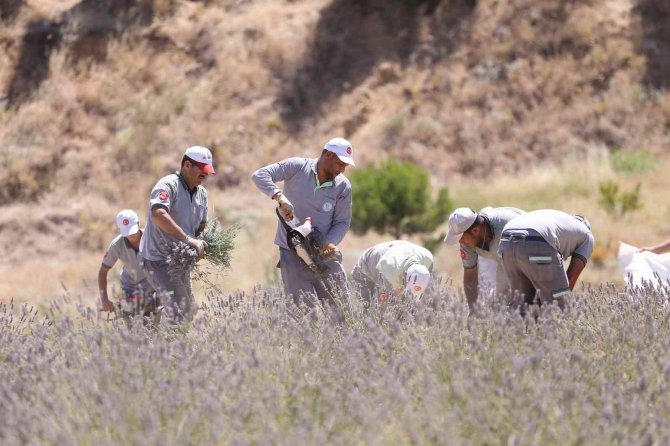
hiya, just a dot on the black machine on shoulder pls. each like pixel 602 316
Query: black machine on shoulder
pixel 305 242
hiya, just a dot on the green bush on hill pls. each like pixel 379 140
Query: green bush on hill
pixel 395 198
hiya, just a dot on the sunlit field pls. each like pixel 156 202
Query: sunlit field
pixel 254 370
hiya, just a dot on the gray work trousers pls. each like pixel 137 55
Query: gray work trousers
pixel 304 286
pixel 138 298
pixel 173 289
pixel 534 269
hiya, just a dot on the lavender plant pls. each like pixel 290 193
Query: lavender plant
pixel 252 370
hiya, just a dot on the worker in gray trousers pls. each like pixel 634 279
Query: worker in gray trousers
pixel 315 188
pixel 177 213
pixel 533 247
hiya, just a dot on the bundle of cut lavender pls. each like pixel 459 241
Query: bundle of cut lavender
pixel 220 245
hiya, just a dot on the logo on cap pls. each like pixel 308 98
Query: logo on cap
pixel 348 150
pixel 126 222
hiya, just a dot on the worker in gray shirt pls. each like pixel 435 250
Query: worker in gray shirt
pixel 137 292
pixel 533 247
pixel 479 235
pixel 392 269
pixel 177 212
pixel 313 188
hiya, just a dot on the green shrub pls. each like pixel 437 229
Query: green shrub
pixel 617 204
pixel 394 198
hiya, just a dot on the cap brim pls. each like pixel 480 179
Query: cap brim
pixel 347 159
pixel 453 238
pixel 130 230
pixel 208 169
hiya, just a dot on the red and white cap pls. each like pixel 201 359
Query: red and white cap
pixel 128 222
pixel 417 278
pixel 459 221
pixel 202 157
pixel 342 148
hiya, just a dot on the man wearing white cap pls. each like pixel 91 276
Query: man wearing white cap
pixel 313 187
pixel 177 212
pixel 479 236
pixel 396 267
pixel 533 247
pixel 137 292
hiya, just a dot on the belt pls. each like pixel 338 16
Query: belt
pixel 528 238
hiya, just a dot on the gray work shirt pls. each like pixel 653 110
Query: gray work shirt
pixel 564 232
pixel 121 249
pixel 391 260
pixel 496 218
pixel 187 208
pixel 328 204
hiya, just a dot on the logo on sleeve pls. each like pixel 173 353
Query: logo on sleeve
pixel 163 195
pixel 417 288
pixel 327 206
pixel 463 254
pixel 106 253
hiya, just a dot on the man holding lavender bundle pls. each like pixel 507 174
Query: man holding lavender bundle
pixel 177 213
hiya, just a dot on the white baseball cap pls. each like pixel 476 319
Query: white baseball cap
pixel 342 148
pixel 128 222
pixel 459 221
pixel 202 157
pixel 417 277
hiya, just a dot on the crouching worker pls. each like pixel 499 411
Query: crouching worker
pixel 392 268
pixel 138 294
pixel 479 236
pixel 533 247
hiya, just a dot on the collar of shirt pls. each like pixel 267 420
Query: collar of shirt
pixel 316 177
pixel 183 183
pixel 129 245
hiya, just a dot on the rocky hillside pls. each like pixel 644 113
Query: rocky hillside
pixel 100 97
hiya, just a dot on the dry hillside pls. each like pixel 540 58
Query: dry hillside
pixel 100 97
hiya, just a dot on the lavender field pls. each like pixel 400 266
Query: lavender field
pixel 251 370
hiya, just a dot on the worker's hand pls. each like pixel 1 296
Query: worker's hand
pixel 285 206
pixel 200 246
pixel 331 252
pixel 107 305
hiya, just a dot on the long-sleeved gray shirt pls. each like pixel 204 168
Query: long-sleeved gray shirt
pixel 565 232
pixel 328 204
